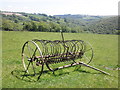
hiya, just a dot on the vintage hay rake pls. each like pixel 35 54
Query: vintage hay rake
pixel 37 53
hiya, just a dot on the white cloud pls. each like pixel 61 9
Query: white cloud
pixel 9 6
pixel 97 7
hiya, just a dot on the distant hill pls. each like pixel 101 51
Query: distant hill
pixel 80 17
pixel 20 21
pixel 105 25
pixel 94 24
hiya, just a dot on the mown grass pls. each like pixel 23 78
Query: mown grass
pixel 106 55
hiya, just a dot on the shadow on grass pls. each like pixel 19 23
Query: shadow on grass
pixel 19 74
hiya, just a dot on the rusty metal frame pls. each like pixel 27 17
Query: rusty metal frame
pixel 45 52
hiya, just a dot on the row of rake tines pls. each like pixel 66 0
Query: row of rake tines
pixel 60 51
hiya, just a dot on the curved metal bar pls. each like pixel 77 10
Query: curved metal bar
pixel 51 52
pixel 31 58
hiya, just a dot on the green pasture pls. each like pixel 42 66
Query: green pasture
pixel 105 58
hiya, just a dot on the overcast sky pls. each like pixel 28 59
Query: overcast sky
pixel 55 7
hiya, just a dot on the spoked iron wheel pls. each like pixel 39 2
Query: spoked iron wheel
pixel 32 64
pixel 88 53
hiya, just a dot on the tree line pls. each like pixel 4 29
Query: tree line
pixel 35 23
pixel 66 23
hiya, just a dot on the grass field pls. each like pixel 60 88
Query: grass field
pixel 105 55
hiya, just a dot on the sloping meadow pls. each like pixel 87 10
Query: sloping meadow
pixel 105 58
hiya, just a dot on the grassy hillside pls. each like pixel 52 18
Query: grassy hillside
pixel 94 24
pixel 106 56
pixel 19 21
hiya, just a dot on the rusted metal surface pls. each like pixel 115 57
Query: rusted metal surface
pixel 37 53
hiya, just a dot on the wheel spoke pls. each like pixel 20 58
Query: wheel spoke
pixel 86 57
pixel 33 68
pixel 88 50
pixel 26 56
pixel 27 67
pixel 34 53
pixel 29 51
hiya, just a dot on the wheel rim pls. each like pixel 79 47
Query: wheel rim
pixel 30 51
pixel 88 53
